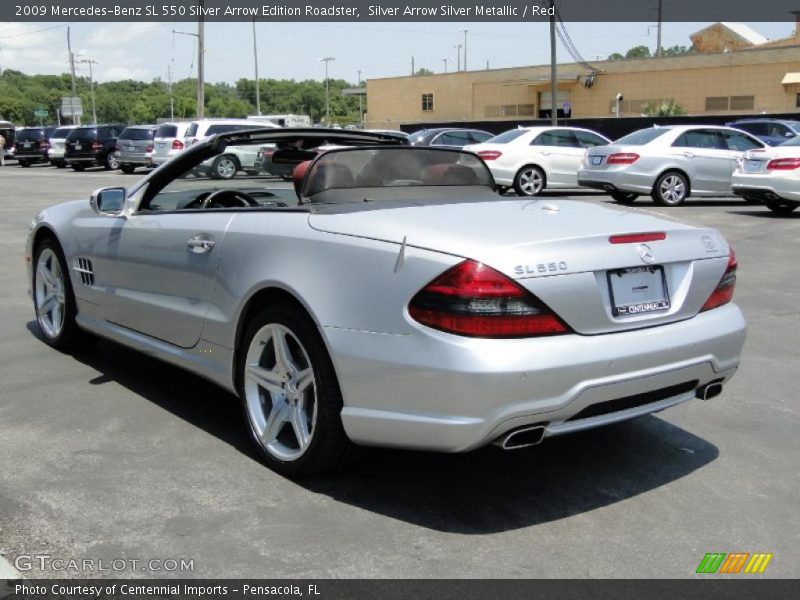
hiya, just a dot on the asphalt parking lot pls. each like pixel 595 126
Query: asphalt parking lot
pixel 112 455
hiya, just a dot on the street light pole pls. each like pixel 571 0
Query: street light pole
pixel 553 74
pixel 465 48
pixel 360 101
pixel 201 92
pixel 75 120
pixel 255 61
pixel 444 60
pixel 90 62
pixel 326 60
pixel 458 54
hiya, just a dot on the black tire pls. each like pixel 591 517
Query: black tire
pixel 224 167
pixel 782 207
pixel 501 189
pixel 78 167
pixel 110 163
pixel 24 164
pixel 623 197
pixel 671 189
pixel 59 164
pixel 530 180
pixel 329 447
pixel 127 169
pixel 70 337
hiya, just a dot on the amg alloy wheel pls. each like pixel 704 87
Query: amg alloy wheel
pixel 224 167
pixel 111 162
pixel 671 189
pixel 529 181
pixel 53 298
pixel 290 395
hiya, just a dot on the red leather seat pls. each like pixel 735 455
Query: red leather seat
pixel 299 175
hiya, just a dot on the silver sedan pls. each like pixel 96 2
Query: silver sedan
pixel 390 299
pixel 668 163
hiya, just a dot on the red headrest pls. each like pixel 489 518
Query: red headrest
pixel 298 175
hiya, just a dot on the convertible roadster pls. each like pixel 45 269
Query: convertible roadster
pixel 391 298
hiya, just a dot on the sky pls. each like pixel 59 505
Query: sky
pixel 145 51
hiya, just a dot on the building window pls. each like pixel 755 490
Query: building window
pixel 427 102
pixel 797 101
pixel 717 103
pixel 743 102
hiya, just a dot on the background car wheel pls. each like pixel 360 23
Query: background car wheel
pixel 752 200
pixel 671 189
pixel 24 164
pixel 781 207
pixel 53 299
pixel 224 167
pixel 111 163
pixel 290 396
pixel 60 164
pixel 501 189
pixel 530 181
pixel 624 197
pixel 127 169
pixel 78 167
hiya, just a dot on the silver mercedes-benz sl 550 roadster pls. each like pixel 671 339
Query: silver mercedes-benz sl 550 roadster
pixel 391 298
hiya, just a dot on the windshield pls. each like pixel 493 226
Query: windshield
pixel 61 133
pixel 507 136
pixel 641 137
pixel 82 133
pixel 395 167
pixel 137 133
pixel 167 131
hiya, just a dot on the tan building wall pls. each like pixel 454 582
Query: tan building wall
pixel 732 83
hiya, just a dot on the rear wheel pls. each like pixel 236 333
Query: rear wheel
pixel 24 164
pixel 111 163
pixel 53 298
pixel 78 167
pixel 781 207
pixel 530 181
pixel 290 396
pixel 623 197
pixel 671 189
pixel 128 169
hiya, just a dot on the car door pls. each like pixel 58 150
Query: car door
pixel 563 154
pixel 157 270
pixel 704 156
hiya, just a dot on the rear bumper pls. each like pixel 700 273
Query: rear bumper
pixel 609 181
pixel 761 189
pixel 83 159
pixel 139 159
pixel 440 392
pixel 32 156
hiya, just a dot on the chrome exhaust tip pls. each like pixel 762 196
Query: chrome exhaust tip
pixel 710 390
pixel 523 437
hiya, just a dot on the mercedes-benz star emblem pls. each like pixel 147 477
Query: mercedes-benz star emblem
pixel 646 253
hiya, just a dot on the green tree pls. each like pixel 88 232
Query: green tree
pixel 423 71
pixel 638 52
pixel 665 108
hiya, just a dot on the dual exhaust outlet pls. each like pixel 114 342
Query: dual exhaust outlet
pixel 532 435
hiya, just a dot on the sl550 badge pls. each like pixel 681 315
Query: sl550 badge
pixel 540 268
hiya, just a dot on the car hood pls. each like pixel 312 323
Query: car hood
pixel 508 234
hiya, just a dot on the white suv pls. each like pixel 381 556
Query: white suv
pixel 168 141
pixel 236 158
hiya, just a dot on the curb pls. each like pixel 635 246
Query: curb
pixel 7 571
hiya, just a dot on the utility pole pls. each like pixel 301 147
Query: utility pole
pixel 90 62
pixel 553 73
pixel 201 70
pixel 444 60
pixel 255 61
pixel 326 60
pixel 465 47
pixel 658 34
pixel 360 100
pixel 458 53
pixel 171 97
pixel 75 120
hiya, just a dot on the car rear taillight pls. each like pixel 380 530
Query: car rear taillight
pixel 783 164
pixel 490 154
pixel 622 158
pixel 724 290
pixel 474 300
pixel 149 148
pixel 177 145
pixel 99 146
pixel 637 238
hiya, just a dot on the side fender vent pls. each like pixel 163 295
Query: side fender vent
pixel 83 267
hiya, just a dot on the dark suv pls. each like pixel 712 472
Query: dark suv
pixel 93 145
pixel 32 144
pixel 771 131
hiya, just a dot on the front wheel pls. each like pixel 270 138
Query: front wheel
pixel 224 167
pixel 290 396
pixel 623 197
pixel 53 299
pixel 127 169
pixel 529 181
pixel 781 207
pixel 671 189
pixel 24 164
pixel 111 163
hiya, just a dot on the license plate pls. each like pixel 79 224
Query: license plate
pixel 597 160
pixel 638 290
pixel 161 145
pixel 27 144
pixel 752 166
pixel 78 146
pixel 130 148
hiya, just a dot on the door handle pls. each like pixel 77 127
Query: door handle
pixel 200 244
pixel 688 155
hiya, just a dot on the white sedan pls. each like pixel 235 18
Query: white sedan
pixel 771 175
pixel 531 159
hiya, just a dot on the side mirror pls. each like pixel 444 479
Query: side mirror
pixel 109 201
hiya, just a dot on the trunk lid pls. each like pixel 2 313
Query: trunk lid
pixel 560 251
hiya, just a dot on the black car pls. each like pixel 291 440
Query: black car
pixel 452 137
pixel 93 145
pixel 32 144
